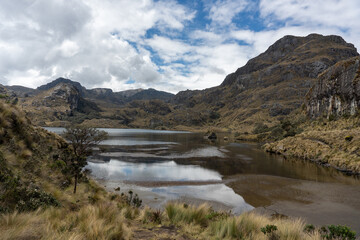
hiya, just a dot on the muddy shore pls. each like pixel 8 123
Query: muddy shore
pixel 317 203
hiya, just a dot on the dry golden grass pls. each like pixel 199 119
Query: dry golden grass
pixel 202 223
pixel 334 142
pixel 114 219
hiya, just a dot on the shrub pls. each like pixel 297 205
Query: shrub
pixel 32 199
pixel 269 231
pixel 215 115
pixel 260 128
pixel 337 232
pixel 309 228
pixel 131 199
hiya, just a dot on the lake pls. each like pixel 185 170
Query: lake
pixel 182 166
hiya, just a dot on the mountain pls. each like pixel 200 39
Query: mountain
pixel 54 83
pixel 271 85
pixel 269 88
pixel 22 91
pixel 63 100
pixel 331 134
pixel 150 94
pixel 107 95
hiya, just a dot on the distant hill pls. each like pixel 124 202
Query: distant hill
pixel 63 100
pixel 22 91
pixel 53 84
pixel 150 94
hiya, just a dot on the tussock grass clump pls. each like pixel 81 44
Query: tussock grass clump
pixel 150 216
pixel 224 226
pixel 181 213
pixel 227 228
pixel 101 221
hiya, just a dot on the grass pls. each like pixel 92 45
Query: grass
pixel 111 217
pixel 332 142
pixel 245 226
pixel 102 221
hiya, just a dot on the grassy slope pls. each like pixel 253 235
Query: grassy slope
pixel 336 143
pixel 36 159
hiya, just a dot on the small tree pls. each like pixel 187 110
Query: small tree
pixel 82 139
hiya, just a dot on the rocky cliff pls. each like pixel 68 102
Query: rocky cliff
pixel 337 91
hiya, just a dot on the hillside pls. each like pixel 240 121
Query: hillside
pixel 331 136
pixel 26 158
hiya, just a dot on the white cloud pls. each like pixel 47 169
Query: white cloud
pixel 169 50
pixel 335 13
pixel 106 43
pixel 339 17
pixel 85 40
pixel 223 11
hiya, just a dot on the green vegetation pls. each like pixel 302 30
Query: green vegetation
pixel 270 232
pixel 81 139
pixel 337 232
pixel 287 127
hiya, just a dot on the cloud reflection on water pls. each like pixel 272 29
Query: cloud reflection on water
pixel 164 171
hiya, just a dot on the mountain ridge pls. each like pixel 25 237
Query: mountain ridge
pixel 266 89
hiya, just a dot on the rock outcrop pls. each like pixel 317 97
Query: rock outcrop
pixel 337 91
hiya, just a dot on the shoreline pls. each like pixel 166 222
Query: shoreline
pixel 347 171
pixel 318 203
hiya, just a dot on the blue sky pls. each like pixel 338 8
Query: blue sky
pixel 164 44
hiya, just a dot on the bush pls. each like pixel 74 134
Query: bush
pixel 34 199
pixel 309 228
pixel 260 128
pixel 215 115
pixel 269 231
pixel 337 232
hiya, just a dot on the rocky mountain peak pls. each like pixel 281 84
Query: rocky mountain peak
pixel 61 80
pixel 324 50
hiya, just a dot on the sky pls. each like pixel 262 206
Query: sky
pixel 169 45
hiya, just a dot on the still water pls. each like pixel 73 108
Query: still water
pixel 177 165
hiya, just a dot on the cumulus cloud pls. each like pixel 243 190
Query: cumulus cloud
pixel 339 17
pixel 165 44
pixel 223 11
pixel 88 41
